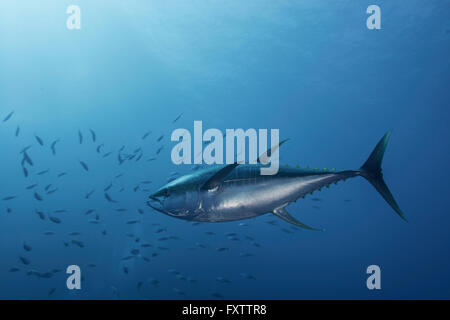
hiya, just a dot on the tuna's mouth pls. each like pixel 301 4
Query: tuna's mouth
pixel 156 204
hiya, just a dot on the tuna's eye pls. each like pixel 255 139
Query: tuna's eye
pixel 166 192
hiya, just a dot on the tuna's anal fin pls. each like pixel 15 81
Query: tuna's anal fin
pixel 282 213
pixel 218 177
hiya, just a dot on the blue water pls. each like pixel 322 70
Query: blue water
pixel 309 68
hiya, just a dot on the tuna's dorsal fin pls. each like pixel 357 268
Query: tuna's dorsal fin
pixel 282 213
pixel 213 182
pixel 264 157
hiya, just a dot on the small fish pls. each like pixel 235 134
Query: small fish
pixel 119 157
pixel 8 116
pixel 93 135
pixel 108 187
pixel 51 291
pixel 146 135
pixel 37 196
pixel 99 147
pixel 75 233
pixel 247 276
pixel 160 138
pixel 178 291
pixel 132 221
pixel 245 254
pixel 9 198
pixel 24 260
pixel 49 233
pixel 26 247
pixel 17 131
pixel 89 194
pixel 106 154
pixel 80 137
pixel 177 118
pixel 25 172
pixel 78 243
pixel 61 174
pixel 47 187
pixel 39 140
pixel 127 258
pixel 25 149
pixel 121 209
pixel 42 172
pixel 27 159
pixel 223 249
pixel 84 165
pixel 52 191
pixel 53 146
pixel 125 270
pixel 40 214
pixel 54 219
pixel 161 230
pixel 115 292
pixel 223 280
pixel 89 211
pixel 159 149
pixel 14 269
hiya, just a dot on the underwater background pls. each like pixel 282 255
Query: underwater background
pixel 98 99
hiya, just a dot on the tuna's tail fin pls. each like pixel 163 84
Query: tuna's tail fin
pixel 371 170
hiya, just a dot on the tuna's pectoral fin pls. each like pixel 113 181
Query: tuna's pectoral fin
pixel 283 214
pixel 218 177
